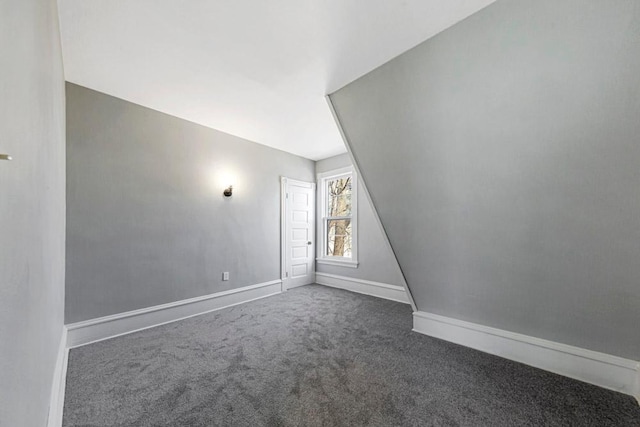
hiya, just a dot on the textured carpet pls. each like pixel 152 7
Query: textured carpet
pixel 316 356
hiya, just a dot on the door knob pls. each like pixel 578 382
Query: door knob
pixel 308 243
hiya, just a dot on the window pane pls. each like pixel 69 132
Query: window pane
pixel 339 237
pixel 339 197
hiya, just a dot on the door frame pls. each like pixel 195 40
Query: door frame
pixel 283 227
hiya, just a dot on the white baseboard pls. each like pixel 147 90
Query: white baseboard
pixel 604 370
pixel 93 330
pixel 56 404
pixel 367 287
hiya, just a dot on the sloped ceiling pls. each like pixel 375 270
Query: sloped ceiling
pixel 252 68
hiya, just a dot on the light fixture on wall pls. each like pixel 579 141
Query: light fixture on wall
pixel 5 157
pixel 225 177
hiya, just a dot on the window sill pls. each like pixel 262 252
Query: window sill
pixel 338 262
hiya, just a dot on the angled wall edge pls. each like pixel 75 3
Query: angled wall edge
pixel 363 185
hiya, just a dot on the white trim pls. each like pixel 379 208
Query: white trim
pixel 367 287
pixel 102 328
pixel 604 370
pixel 56 404
pixel 637 388
pixel 321 179
pixel 347 144
pixel 283 228
pixel 339 262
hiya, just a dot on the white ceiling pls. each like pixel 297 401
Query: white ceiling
pixel 257 69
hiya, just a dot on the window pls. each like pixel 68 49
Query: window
pixel 338 218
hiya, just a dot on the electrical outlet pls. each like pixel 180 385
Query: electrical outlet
pixel 225 275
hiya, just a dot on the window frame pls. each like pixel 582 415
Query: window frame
pixel 322 218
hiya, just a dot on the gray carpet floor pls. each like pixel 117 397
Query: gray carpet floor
pixel 316 356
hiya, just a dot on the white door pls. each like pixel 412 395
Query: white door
pixel 298 254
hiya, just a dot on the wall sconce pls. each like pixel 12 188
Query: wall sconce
pixel 5 157
pixel 228 192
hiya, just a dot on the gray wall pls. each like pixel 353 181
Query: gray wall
pixel 32 206
pixel 376 261
pixel 146 220
pixel 503 158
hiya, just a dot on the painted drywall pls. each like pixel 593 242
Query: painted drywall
pixel 32 208
pixel 146 220
pixel 375 260
pixel 502 157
